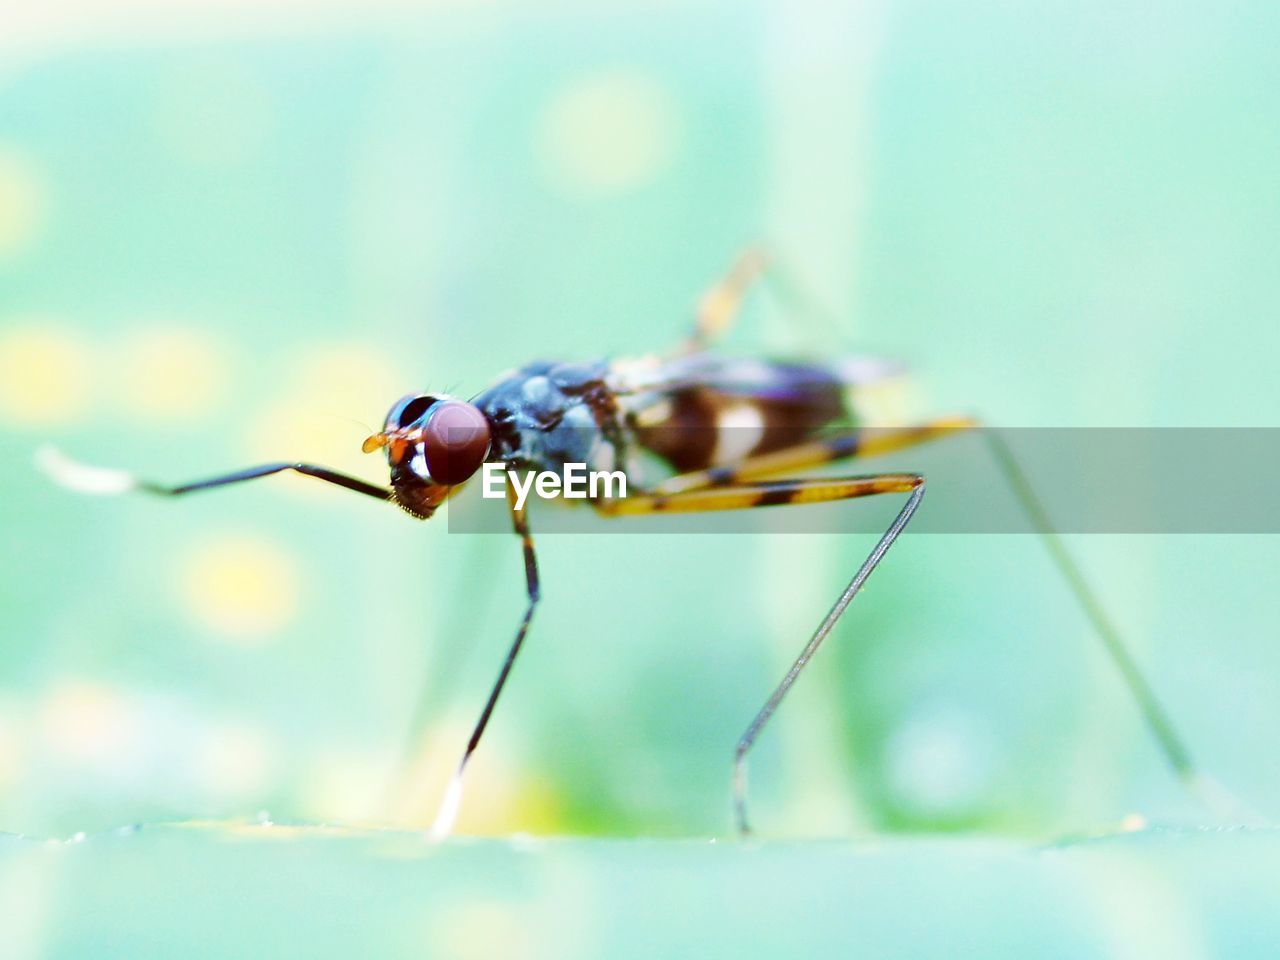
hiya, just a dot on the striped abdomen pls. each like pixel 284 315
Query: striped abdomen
pixel 727 410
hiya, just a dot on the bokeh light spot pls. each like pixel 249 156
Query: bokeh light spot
pixel 235 760
pixel 334 395
pixel 345 786
pixel 346 379
pixel 940 762
pixel 172 373
pixel 45 373
pixel 90 723
pixel 242 588
pixel 23 202
pixel 608 133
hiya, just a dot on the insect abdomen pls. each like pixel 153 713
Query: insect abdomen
pixel 710 424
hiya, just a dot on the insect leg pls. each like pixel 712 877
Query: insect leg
pixel 779 493
pixel 870 443
pixel 448 813
pixel 1170 742
pixel 719 306
pixel 99 480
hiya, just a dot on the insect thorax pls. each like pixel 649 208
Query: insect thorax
pixel 547 414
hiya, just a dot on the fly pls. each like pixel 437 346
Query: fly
pixel 733 434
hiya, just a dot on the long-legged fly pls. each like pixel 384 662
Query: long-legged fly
pixel 733 433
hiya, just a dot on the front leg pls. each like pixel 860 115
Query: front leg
pixel 444 821
pixel 104 481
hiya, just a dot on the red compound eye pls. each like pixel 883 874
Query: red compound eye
pixel 455 441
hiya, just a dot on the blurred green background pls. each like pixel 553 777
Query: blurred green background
pixel 221 245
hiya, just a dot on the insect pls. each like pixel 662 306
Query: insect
pixel 733 434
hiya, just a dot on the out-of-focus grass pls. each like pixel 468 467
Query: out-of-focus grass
pixel 268 890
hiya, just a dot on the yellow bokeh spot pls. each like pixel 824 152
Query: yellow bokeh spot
pixel 608 133
pixel 346 380
pixel 44 374
pixel 23 202
pixel 241 587
pixel 334 395
pixel 172 373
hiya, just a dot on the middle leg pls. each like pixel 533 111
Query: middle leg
pixel 733 496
